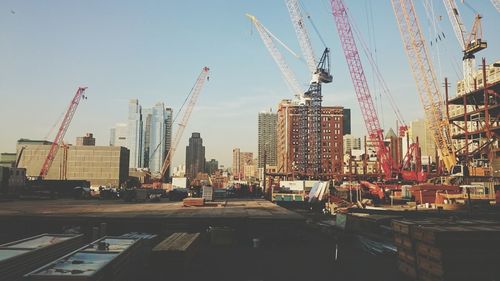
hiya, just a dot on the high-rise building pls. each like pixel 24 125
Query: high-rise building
pixel 157 136
pixel 288 139
pixel 347 121
pixel 240 160
pixel 195 156
pixel 211 166
pixel 118 135
pixel 148 135
pixel 134 143
pixel 425 137
pixel 236 162
pixel 87 140
pixel 351 143
pixel 267 138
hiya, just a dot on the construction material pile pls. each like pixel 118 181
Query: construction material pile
pixel 109 258
pixel 176 251
pixel 441 250
pixel 19 257
pixel 193 202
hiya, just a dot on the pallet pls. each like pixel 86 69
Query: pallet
pixel 456 233
pixel 403 241
pixel 407 269
pixel 176 251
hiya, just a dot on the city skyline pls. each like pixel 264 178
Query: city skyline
pixel 131 50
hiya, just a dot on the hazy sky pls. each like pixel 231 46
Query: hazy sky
pixel 154 50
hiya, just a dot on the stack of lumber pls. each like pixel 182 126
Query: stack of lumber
pixel 176 251
pixel 193 202
pixel 22 256
pixel 108 258
pixel 441 250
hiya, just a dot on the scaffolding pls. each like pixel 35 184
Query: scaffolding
pixel 474 118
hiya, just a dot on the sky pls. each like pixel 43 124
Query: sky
pixel 154 50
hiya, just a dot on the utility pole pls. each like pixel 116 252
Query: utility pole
pixel 265 164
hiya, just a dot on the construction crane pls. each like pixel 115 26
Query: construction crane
pixel 425 79
pixel 62 131
pixel 195 92
pixel 268 38
pixel 496 4
pixel 469 43
pixel 361 88
pixel 310 112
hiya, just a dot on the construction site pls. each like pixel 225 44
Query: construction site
pixel 390 206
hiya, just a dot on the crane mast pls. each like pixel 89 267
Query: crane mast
pixel 360 83
pixel 309 154
pixel 195 92
pixel 62 131
pixel 425 79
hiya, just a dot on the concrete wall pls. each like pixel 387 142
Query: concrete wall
pixel 101 165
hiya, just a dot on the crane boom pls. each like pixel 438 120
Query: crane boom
pixel 302 34
pixel 456 22
pixel 496 4
pixel 195 92
pixel 62 131
pixel 360 83
pixel 267 38
pixel 425 79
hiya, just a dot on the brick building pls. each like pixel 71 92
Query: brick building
pixel 288 139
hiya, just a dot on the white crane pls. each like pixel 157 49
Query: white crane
pixel 470 43
pixel 268 38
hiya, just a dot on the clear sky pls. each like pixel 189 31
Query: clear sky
pixel 154 50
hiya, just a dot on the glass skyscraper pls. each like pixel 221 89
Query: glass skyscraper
pixel 149 135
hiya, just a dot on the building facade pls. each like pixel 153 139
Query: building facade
pixel 195 156
pixel 101 165
pixel 118 135
pixel 288 139
pixel 211 166
pixel 88 139
pixel 267 138
pixel 419 130
pixel 134 143
pixel 157 136
pixel 350 143
pixel 347 121
pixel 240 160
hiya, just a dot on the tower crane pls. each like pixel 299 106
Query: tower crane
pixel 310 113
pixel 195 92
pixel 62 131
pixel 469 43
pixel 361 88
pixel 425 79
pixel 304 99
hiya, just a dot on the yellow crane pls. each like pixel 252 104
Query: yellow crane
pixel 424 75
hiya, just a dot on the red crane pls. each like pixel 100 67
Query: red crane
pixel 62 131
pixel 360 83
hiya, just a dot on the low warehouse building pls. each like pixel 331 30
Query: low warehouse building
pixel 101 165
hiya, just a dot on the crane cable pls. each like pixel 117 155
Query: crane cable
pixel 170 125
pixel 368 54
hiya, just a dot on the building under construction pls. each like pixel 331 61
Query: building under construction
pixel 474 121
